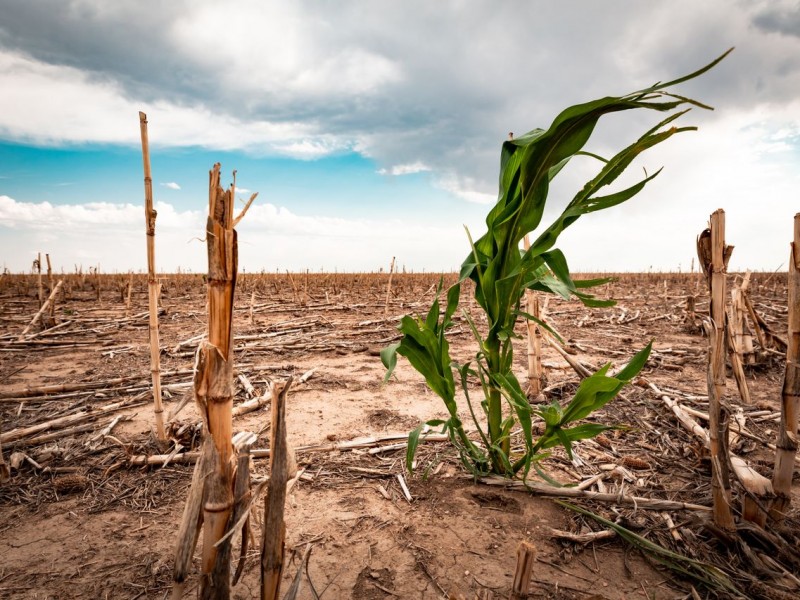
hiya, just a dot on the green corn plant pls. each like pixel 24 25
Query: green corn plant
pixel 502 271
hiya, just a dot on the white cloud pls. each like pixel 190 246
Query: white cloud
pixel 466 188
pixel 407 169
pixel 171 185
pixel 270 237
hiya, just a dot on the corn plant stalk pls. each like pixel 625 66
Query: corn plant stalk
pixel 152 283
pixel 790 393
pixel 714 255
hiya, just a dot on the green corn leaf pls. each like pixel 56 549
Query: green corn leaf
pixel 551 414
pixel 573 434
pixel 545 476
pixel 453 295
pixel 598 389
pixel 389 359
pixel 511 389
pixel 413 440
pixel 564 440
pixel 588 397
pixel 557 262
pixel 592 302
pixel 432 320
pixel 590 283
pixel 636 364
pixel 411 450
pixel 539 322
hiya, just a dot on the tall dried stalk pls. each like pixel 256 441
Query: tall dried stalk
pixel 790 394
pixel 152 283
pixel 714 255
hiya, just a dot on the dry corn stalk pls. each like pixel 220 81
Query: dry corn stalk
pixel 714 255
pixel 41 310
pixel 388 288
pixel 790 394
pixel 213 384
pixel 536 378
pixel 526 557
pixel 272 547
pixel 192 521
pixel 152 283
pixel 736 356
pixel 213 389
pixel 38 266
pixel 738 321
pixel 52 318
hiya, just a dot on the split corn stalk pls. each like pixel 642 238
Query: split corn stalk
pixel 213 384
pixel 790 394
pixel 713 255
pixel 152 283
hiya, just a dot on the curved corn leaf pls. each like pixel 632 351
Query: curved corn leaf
pixel 413 441
pixel 598 389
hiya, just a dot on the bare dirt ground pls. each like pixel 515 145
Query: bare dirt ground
pixel 79 521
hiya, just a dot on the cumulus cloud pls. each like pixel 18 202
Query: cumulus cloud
pixel 171 185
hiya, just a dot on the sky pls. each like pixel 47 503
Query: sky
pixel 372 129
